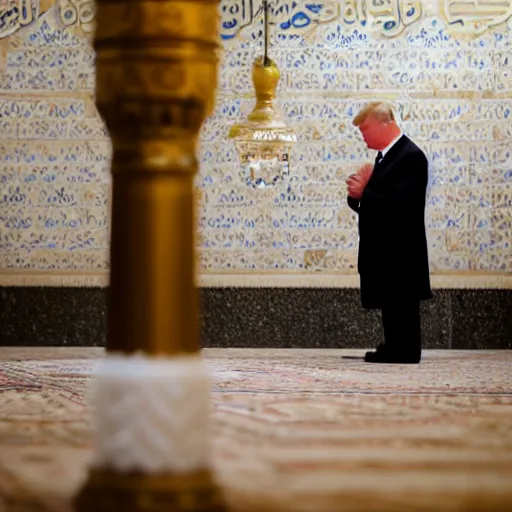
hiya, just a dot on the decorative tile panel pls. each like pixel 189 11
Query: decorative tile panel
pixel 54 152
pixel 447 71
pixel 446 68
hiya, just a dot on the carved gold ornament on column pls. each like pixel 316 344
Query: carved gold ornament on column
pixel 156 78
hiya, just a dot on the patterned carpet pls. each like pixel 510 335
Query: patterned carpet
pixel 294 430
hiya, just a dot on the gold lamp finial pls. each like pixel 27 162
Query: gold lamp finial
pixel 265 77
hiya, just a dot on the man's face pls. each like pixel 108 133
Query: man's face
pixel 374 133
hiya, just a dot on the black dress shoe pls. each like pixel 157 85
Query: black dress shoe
pixel 388 358
pixel 380 350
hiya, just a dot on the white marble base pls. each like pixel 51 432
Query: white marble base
pixel 151 414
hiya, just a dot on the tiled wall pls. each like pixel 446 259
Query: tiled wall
pixel 54 150
pixel 452 89
pixel 449 75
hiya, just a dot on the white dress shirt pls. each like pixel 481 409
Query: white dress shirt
pixel 391 144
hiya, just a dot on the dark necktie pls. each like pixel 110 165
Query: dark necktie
pixel 379 158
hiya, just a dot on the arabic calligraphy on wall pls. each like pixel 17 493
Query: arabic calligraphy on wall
pixel 17 14
pixel 388 18
pixel 475 16
pixel 81 12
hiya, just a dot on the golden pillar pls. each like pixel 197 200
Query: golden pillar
pixel 156 77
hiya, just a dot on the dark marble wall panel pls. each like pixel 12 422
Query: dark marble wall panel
pixel 287 317
pixel 263 317
pixel 52 316
pixel 306 317
pixel 436 320
pixel 482 319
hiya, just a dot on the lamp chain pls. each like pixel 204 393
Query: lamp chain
pixel 266 60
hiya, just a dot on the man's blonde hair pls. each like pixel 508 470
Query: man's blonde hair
pixel 379 110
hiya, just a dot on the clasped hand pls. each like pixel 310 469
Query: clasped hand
pixel 356 183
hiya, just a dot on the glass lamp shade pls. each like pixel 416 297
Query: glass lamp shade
pixel 264 141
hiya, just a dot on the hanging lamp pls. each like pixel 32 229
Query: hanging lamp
pixel 264 141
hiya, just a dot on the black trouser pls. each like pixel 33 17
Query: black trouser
pixel 402 327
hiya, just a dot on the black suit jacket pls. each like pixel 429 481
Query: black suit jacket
pixel 393 254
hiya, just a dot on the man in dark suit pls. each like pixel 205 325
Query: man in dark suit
pixel 393 257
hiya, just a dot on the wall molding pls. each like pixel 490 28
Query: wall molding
pixel 269 279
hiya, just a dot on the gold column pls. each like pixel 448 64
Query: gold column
pixel 156 77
